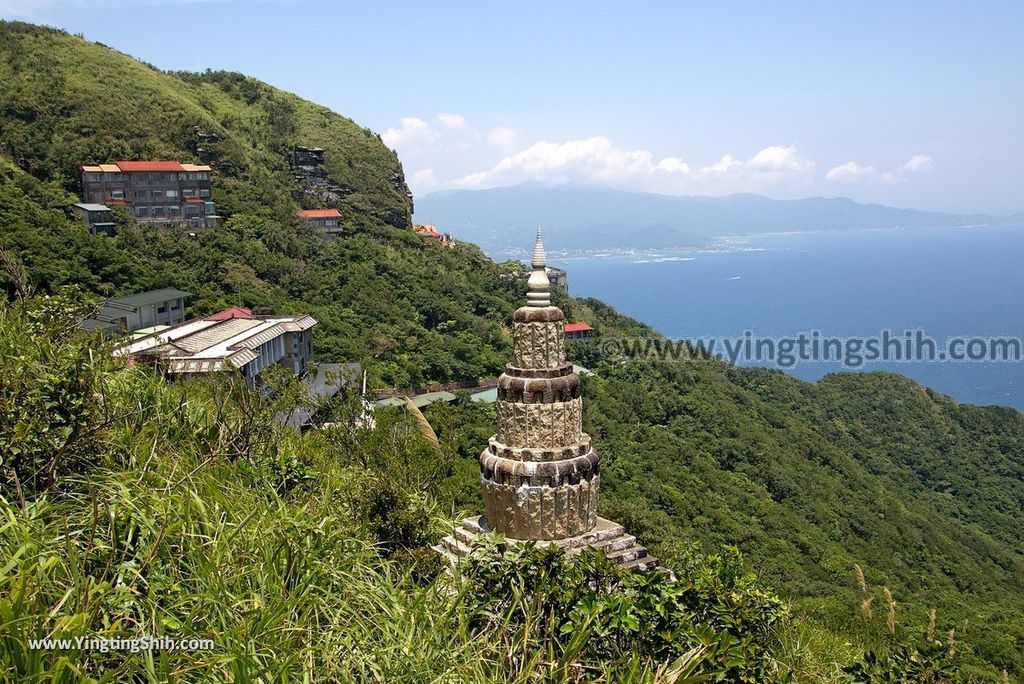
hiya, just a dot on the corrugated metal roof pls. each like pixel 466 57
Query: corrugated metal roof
pixel 196 167
pixel 256 339
pixel 215 334
pixel 242 357
pixel 303 323
pixel 430 397
pixel 91 207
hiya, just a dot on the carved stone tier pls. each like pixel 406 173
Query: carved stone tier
pixel 538 337
pixel 609 537
pixel 542 426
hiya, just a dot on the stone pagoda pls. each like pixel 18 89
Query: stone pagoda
pixel 540 473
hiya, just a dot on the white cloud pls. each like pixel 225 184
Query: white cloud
pixel 850 172
pixel 722 166
pixel 598 161
pixel 446 145
pixel 671 165
pixel 424 180
pixel 919 162
pixel 854 172
pixel 779 159
pixel 412 129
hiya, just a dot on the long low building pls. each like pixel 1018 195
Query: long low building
pixel 234 341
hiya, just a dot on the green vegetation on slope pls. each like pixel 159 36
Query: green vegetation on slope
pixel 806 479
pixel 136 509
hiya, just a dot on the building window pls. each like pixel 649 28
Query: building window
pixel 140 194
pixel 192 210
pixel 204 192
pixel 173 211
pixel 142 212
pixel 162 308
pixel 117 194
pixel 158 212
pixel 188 192
pixel 172 194
pixel 158 194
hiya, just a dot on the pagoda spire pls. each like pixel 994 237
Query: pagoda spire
pixel 540 287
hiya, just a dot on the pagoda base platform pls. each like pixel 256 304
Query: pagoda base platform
pixel 610 537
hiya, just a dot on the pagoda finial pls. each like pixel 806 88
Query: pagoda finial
pixel 539 259
pixel 540 286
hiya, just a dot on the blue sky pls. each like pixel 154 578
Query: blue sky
pixel 914 104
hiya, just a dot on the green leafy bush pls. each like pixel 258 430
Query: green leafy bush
pixel 585 609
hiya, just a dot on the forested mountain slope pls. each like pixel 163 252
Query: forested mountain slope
pixel 923 494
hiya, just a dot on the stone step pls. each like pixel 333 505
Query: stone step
pixel 624 556
pixel 608 537
pixel 474 525
pixel 455 547
pixel 643 564
pixel 444 553
pixel 465 536
pixel 617 544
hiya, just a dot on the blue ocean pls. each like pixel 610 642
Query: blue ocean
pixel 946 283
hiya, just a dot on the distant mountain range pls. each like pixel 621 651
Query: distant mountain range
pixel 590 219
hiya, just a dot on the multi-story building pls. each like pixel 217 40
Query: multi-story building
pixel 163 193
pixel 325 221
pixel 163 307
pixel 233 341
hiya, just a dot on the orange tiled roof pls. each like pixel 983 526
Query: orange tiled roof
pixel 319 213
pixel 129 166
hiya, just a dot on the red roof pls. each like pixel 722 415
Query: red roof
pixel 577 327
pixel 428 232
pixel 319 213
pixel 128 166
pixel 233 312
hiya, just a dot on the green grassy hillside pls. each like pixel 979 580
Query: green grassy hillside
pixel 924 495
